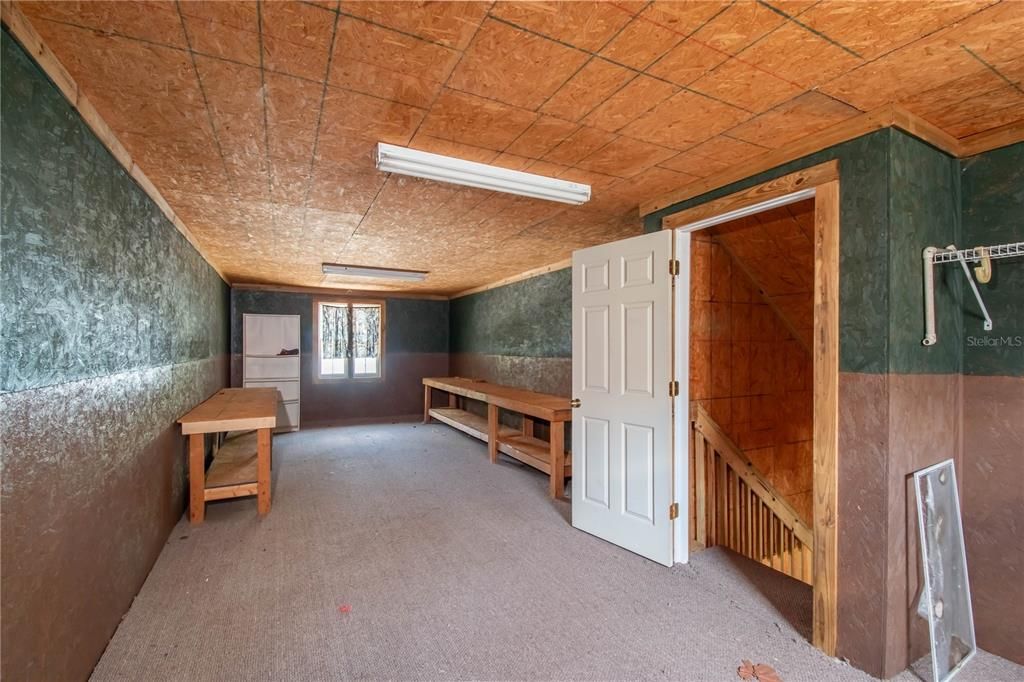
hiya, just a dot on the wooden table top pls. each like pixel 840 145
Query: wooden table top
pixel 542 405
pixel 233 409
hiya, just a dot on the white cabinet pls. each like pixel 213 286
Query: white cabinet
pixel 267 363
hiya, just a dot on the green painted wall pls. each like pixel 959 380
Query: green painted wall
pixel 95 280
pixel 924 210
pixel 111 327
pixel 864 212
pixel 529 318
pixel 993 213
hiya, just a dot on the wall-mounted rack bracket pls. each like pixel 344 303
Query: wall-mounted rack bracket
pixel 981 254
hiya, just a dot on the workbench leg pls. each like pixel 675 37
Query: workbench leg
pixel 557 482
pixel 196 478
pixel 492 432
pixel 527 426
pixel 453 400
pixel 426 404
pixel 263 471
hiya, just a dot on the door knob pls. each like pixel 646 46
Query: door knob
pixel 575 402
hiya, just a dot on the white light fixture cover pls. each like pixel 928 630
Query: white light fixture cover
pixel 405 161
pixel 378 273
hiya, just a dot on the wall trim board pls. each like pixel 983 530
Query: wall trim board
pixel 22 30
pixel 1003 136
pixel 375 294
pixel 535 272
pixel 888 116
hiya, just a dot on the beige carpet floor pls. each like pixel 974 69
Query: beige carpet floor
pixel 397 551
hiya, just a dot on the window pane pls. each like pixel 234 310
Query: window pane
pixel 333 339
pixel 366 339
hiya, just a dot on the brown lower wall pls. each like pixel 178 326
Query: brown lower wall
pixel 93 482
pixel 889 427
pixel 398 392
pixel 992 481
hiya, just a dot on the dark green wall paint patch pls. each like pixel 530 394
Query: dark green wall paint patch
pixel 993 213
pixel 924 210
pixel 95 279
pixel 863 248
pixel 529 318
pixel 412 325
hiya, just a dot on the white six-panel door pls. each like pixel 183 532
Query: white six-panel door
pixel 622 458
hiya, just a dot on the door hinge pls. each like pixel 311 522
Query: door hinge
pixel 673 389
pixel 673 511
pixel 673 267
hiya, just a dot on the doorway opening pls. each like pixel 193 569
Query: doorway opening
pixel 761 350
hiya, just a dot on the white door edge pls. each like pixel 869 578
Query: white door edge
pixel 681 404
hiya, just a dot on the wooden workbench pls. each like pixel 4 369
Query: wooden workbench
pixel 547 456
pixel 242 467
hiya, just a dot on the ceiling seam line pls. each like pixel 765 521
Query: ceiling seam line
pixel 319 120
pixel 263 92
pixel 202 92
pixel 792 18
pixel 992 68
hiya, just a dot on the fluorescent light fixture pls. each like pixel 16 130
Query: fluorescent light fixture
pixel 405 161
pixel 379 273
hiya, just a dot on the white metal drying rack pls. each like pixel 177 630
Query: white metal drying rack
pixel 979 254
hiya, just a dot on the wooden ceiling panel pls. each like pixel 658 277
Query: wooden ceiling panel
pixel 274 171
pixel 227 30
pixel 581 144
pixel 351 114
pixel 586 25
pixel 296 38
pixel 498 50
pixel 384 63
pixel 625 106
pixel 625 157
pixel 794 54
pixel 736 83
pixel 923 65
pixel 713 156
pixel 687 62
pixel 543 135
pixel 451 24
pixel 657 29
pixel 684 120
pixel 436 145
pixel 740 25
pixel 588 88
pixel 652 183
pixel 798 117
pixel 482 122
pixel 155 22
pixel 872 28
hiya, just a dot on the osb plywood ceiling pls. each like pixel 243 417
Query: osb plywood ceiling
pixel 257 120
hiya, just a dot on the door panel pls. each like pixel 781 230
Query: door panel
pixel 622 364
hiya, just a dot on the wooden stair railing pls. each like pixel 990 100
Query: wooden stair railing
pixel 736 507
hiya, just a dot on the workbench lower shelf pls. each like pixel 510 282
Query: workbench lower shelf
pixel 549 457
pixel 234 470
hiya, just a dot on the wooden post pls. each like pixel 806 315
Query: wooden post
pixel 426 404
pixel 263 471
pixel 492 432
pixel 196 478
pixel 453 400
pixel 528 426
pixel 700 489
pixel 556 482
